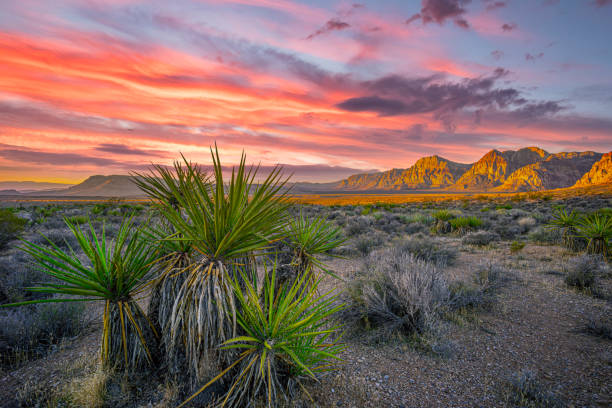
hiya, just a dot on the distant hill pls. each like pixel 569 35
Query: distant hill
pixel 31 186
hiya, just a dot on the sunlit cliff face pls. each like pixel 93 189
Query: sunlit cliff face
pixel 109 86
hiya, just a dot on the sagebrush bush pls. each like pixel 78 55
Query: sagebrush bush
pixel 29 332
pixel 11 226
pixel 583 271
pixel 428 249
pixel 523 389
pixel 399 294
pixel 366 243
pixel 545 235
pixel 488 277
pixel 480 238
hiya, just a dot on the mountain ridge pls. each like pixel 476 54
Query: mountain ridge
pixel 526 169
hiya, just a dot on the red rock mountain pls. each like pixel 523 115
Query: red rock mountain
pixel 526 169
pixel 556 171
pixel 600 173
pixel 495 167
pixel 427 172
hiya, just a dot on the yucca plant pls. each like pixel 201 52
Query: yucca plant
pixel 226 225
pixel 567 222
pixel 597 230
pixel 464 224
pixel 163 184
pixel 286 336
pixel 309 239
pixel 117 271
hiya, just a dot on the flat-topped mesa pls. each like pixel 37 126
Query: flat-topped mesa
pixel 427 172
pixel 494 168
pixel 600 172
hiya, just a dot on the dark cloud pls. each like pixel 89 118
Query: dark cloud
pixel 533 57
pixel 508 26
pixel 492 4
pixel 497 54
pixel 30 156
pixel 536 110
pixel 126 150
pixel 382 106
pixel 332 25
pixel 602 3
pixel 438 11
pixel 397 95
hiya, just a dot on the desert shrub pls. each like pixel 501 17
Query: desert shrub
pixel 516 246
pixel 443 215
pixel 358 225
pixel 11 226
pixel 480 238
pixel 464 224
pixel 582 271
pixel 566 223
pixel 545 235
pixel 417 218
pixel 415 227
pixel 365 243
pixel 399 294
pixel 429 250
pixel 523 389
pixel 28 333
pixel 600 326
pixel 487 279
pixel 63 238
pixel 287 335
pixel 503 206
pixel 526 223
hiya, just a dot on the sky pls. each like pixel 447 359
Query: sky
pixel 325 88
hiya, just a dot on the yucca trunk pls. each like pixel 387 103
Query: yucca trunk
pixel 571 240
pixel 203 316
pixel 165 290
pixel 129 339
pixel 598 246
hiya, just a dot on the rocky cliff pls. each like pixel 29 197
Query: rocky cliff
pixel 600 172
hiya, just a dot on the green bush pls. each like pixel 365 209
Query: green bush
pixel 78 219
pixel 463 224
pixel 516 246
pixel 443 215
pixel 11 226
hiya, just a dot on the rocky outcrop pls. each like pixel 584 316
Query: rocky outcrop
pixel 427 172
pixel 600 173
pixel 555 171
pixel 493 168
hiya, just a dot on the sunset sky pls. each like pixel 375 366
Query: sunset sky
pixel 329 88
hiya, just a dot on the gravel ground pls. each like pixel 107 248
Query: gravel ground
pixel 534 324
